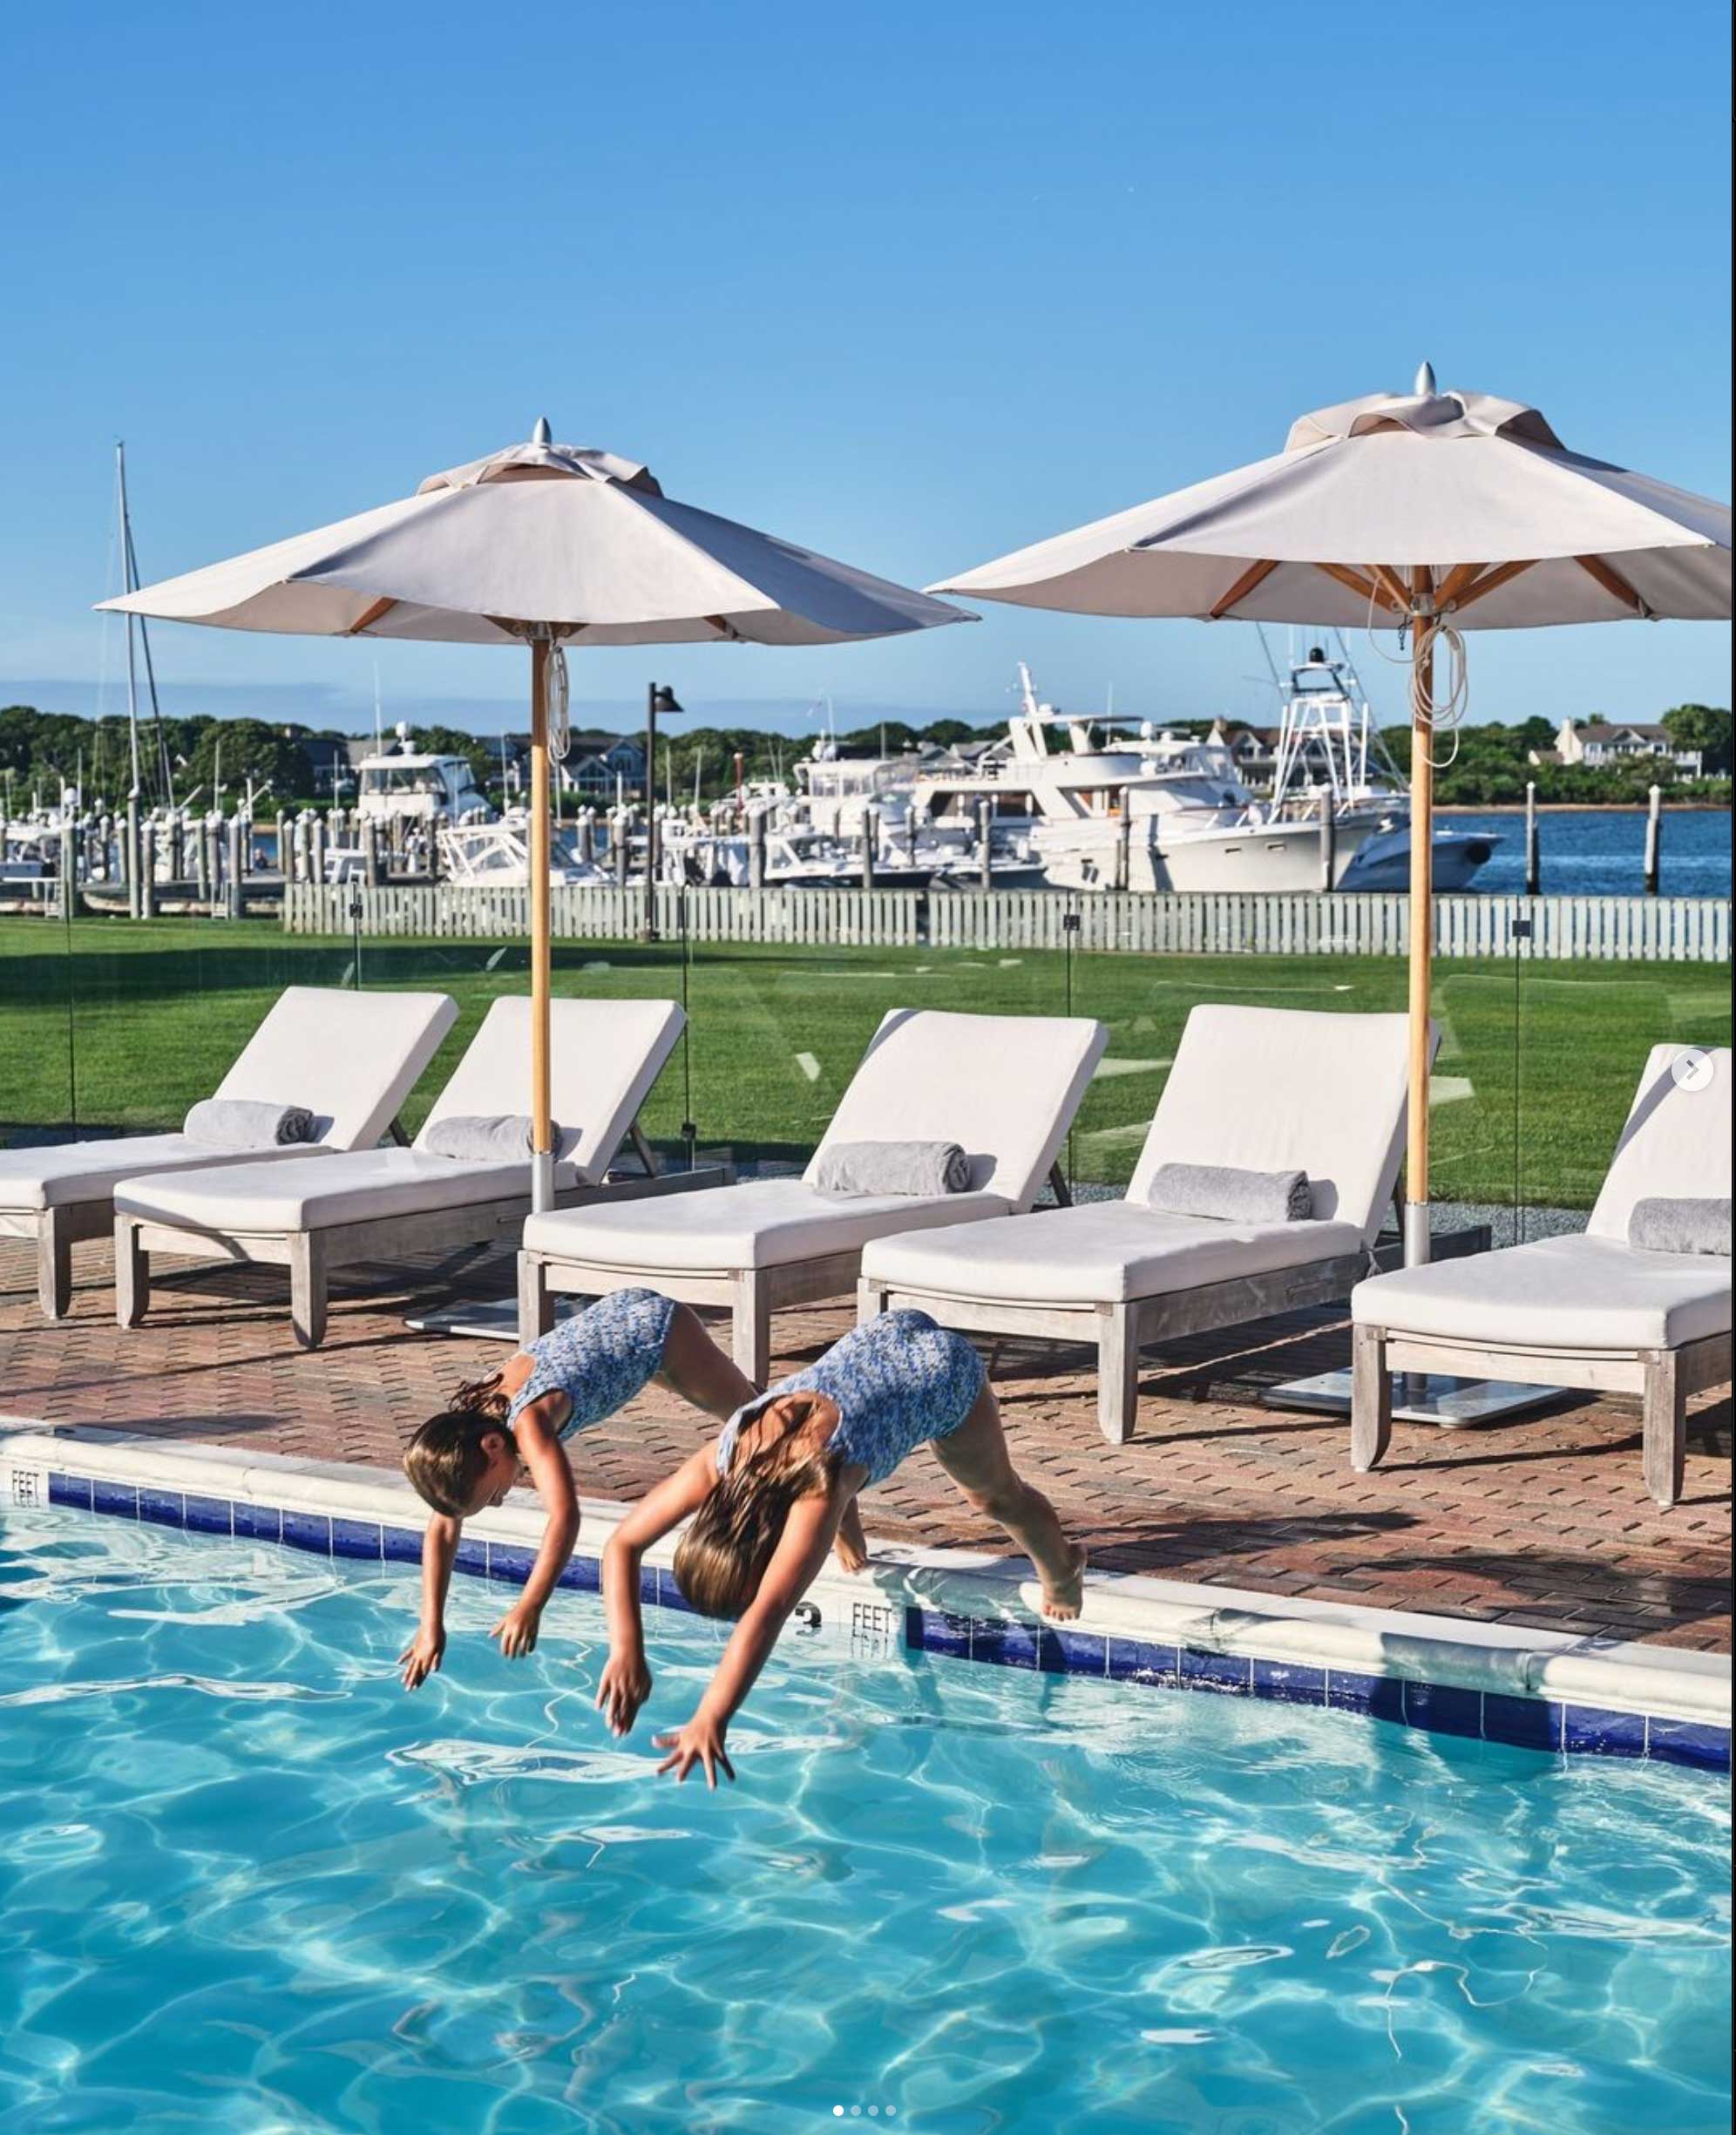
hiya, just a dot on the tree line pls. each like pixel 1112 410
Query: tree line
pixel 42 752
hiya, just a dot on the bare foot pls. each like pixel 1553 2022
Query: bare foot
pixel 1063 1601
pixel 850 1547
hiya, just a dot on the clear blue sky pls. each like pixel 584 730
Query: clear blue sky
pixel 911 284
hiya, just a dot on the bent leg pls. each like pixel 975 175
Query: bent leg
pixel 701 1372
pixel 976 1457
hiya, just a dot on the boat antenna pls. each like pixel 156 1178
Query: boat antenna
pixel 379 737
pixel 1272 665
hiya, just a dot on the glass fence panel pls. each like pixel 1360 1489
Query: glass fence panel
pixel 790 986
pixel 1586 1025
pixel 38 1023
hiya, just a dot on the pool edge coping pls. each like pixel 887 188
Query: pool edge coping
pixel 1554 1690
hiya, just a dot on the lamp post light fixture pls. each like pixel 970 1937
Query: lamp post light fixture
pixel 659 697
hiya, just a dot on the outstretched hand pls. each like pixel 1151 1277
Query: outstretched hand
pixel 516 1632
pixel 622 1688
pixel 422 1656
pixel 700 1742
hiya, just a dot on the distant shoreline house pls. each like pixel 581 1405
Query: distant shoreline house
pixel 1254 749
pixel 1600 744
pixel 597 765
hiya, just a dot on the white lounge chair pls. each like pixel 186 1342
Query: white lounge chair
pixel 1261 1090
pixel 1587 1311
pixel 352 1058
pixel 606 1056
pixel 1004 1087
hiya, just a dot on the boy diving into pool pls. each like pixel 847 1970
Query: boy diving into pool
pixel 467 1458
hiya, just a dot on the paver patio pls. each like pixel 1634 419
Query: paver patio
pixel 1541 1522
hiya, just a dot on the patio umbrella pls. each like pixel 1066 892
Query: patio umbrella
pixel 1426 513
pixel 546 545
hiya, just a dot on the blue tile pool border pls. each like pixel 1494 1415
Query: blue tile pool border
pixel 1543 1724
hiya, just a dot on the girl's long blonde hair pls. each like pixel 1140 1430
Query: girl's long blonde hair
pixel 721 1558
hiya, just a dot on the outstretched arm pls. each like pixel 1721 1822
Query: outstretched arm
pixel 439 1548
pixel 626 1681
pixel 808 1536
pixel 540 1449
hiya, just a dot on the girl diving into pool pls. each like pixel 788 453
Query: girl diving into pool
pixel 468 1457
pixel 778 1489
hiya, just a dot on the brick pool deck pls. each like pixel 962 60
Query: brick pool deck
pixel 1543 1521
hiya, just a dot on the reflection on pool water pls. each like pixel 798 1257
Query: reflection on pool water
pixel 246 1883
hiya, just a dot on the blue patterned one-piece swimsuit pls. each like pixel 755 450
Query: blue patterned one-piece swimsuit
pixel 600 1357
pixel 897 1383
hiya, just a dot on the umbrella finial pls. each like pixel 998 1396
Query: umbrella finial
pixel 540 434
pixel 1424 381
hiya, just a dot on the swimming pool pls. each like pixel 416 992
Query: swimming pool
pixel 248 1883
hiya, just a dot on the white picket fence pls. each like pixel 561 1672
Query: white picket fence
pixel 1676 929
pixel 1682 929
pixel 443 911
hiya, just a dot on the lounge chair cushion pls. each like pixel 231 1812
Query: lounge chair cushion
pixel 351 1057
pixel 247 1123
pixel 1004 1087
pixel 760 1223
pixel 70 1173
pixel 1578 1293
pixel 1676 1144
pixel 245 1200
pixel 1283 1090
pixel 604 1056
pixel 924 1169
pixel 1228 1194
pixel 1662 1226
pixel 1101 1252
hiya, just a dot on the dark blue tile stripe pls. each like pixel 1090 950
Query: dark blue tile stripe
pixel 1523 1722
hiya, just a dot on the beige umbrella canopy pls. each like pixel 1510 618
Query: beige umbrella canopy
pixel 549 545
pixel 1427 512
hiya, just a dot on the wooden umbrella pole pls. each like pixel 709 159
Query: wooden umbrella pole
pixel 1421 916
pixel 542 1178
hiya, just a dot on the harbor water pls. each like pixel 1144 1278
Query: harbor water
pixel 1601 851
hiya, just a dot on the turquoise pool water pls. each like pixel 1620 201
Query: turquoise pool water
pixel 245 1883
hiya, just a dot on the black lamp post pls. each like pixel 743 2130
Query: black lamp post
pixel 659 697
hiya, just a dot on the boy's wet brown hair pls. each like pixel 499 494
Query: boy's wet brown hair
pixel 721 1558
pixel 444 1461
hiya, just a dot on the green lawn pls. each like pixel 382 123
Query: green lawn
pixel 118 1025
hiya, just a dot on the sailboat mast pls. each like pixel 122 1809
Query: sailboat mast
pixel 130 577
pixel 127 585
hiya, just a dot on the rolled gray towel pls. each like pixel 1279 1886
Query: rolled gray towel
pixel 924 1169
pixel 1232 1195
pixel 247 1123
pixel 1661 1226
pixel 483 1139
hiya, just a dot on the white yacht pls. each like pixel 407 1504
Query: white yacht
pixel 411 786
pixel 497 856
pixel 924 815
pixel 1112 802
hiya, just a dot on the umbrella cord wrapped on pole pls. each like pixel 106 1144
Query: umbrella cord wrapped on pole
pixel 1436 712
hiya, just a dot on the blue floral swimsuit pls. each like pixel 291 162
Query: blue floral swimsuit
pixel 600 1357
pixel 897 1383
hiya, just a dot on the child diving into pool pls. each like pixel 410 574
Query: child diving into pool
pixel 467 1458
pixel 777 1491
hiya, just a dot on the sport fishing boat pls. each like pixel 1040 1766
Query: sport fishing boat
pixel 1331 754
